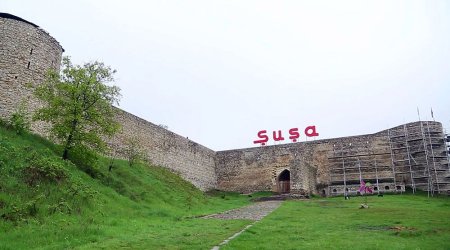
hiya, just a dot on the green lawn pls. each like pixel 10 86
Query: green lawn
pixel 391 222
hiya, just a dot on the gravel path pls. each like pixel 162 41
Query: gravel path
pixel 254 212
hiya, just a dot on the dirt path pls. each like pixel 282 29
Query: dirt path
pixel 253 212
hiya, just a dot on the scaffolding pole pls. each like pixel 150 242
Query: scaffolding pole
pixel 331 171
pixel 426 158
pixel 405 130
pixel 392 157
pixel 432 157
pixel 359 168
pixel 343 168
pixel 376 167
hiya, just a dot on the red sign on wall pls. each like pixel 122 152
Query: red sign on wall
pixel 263 138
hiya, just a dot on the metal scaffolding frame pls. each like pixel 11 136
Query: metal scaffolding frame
pixel 410 155
pixel 404 165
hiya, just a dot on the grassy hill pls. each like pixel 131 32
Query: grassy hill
pixel 46 202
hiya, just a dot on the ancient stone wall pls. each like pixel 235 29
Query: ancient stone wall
pixel 336 166
pixel 192 161
pixel 257 169
pixel 27 52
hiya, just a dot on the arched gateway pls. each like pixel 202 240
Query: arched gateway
pixel 284 182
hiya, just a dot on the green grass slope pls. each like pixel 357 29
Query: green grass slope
pixel 52 204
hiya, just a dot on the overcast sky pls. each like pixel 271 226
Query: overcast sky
pixel 220 71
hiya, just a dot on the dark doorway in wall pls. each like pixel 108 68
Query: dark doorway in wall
pixel 284 182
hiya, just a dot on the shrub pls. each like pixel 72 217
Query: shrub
pixel 20 121
pixel 20 212
pixel 78 189
pixel 86 160
pixel 83 156
pixel 3 123
pixel 134 151
pixel 61 207
pixel 43 169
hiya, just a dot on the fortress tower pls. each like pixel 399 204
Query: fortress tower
pixel 27 52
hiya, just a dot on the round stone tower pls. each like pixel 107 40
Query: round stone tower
pixel 27 52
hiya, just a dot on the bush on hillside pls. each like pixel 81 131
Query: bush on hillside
pixel 20 121
pixel 16 212
pixel 134 151
pixel 44 169
pixel 86 160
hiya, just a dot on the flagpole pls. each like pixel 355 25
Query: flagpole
pixel 418 113
pixel 432 115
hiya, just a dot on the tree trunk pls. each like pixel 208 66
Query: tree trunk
pixel 69 140
pixel 66 148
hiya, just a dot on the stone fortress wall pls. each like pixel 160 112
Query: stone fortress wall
pixel 411 155
pixel 192 161
pixel 27 52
